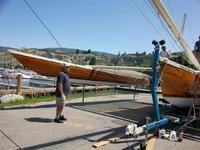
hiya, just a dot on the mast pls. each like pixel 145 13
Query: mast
pixel 164 13
pixel 183 25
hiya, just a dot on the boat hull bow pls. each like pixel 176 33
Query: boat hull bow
pixel 51 68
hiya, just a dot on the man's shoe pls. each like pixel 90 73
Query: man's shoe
pixel 58 120
pixel 63 118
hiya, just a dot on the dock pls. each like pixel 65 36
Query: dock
pixel 11 86
pixel 51 91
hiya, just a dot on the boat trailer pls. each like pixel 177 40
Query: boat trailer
pixel 133 129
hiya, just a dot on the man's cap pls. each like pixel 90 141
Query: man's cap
pixel 64 66
pixel 163 47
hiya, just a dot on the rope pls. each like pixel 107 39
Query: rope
pixel 40 20
pixel 11 140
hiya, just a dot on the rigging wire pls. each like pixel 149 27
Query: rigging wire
pixel 174 40
pixel 40 20
pixel 170 37
pixel 177 5
pixel 160 20
pixel 148 20
pixel 153 11
pixel 182 10
pixel 163 25
pixel 155 15
pixel 190 29
pixel 188 18
pixel 171 10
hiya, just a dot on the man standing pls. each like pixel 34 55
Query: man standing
pixel 197 45
pixel 62 90
pixel 164 53
pixel 197 49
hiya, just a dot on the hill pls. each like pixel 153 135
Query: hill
pixel 4 49
pixel 78 56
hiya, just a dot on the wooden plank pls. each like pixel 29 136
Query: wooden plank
pixel 151 143
pixel 113 139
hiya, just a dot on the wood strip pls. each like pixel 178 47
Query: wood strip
pixel 151 143
pixel 113 139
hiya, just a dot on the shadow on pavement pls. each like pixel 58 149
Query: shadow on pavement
pixel 38 119
pixel 112 131
pixel 28 107
pixel 126 110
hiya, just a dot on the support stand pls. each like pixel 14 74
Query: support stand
pixel 132 128
pixel 83 93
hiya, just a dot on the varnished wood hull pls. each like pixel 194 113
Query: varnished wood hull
pixel 50 67
pixel 180 83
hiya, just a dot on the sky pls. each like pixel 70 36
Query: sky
pixel 111 26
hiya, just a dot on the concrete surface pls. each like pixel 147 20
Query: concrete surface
pixel 32 126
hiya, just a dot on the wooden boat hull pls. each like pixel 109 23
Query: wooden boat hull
pixel 182 102
pixel 50 67
pixel 179 85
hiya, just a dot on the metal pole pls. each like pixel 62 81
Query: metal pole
pixel 147 131
pixel 8 86
pixel 134 93
pixel 154 83
pixel 83 93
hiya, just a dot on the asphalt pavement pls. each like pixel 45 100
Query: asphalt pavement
pixel 99 118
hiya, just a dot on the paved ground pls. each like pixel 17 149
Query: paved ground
pixel 32 127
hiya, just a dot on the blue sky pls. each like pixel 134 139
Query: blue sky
pixel 101 25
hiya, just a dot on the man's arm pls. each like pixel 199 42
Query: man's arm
pixel 169 54
pixel 60 87
pixel 195 46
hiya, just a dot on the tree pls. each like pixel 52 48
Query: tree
pixel 93 61
pixel 119 54
pixel 48 54
pixel 144 53
pixel 87 58
pixel 89 51
pixel 124 54
pixel 77 51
